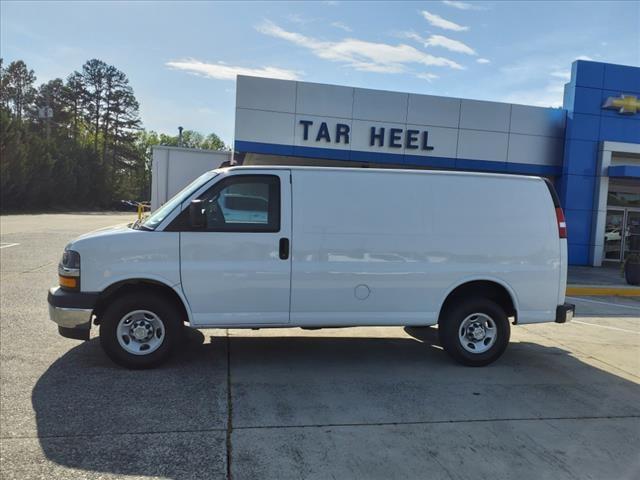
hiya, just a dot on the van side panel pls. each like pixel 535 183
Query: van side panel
pixel 505 228
pixel 359 250
pixel 385 248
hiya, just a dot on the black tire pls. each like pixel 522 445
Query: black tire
pixel 449 328
pixel 165 310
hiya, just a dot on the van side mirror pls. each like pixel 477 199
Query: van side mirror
pixel 197 217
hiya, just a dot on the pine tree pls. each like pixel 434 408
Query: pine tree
pixel 18 90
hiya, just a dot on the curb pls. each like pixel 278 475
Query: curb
pixel 602 290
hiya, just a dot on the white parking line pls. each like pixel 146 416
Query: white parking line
pixel 580 299
pixel 7 245
pixel 604 326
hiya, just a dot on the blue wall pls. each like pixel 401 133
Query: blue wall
pixel 588 124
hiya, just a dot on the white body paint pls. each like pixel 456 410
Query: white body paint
pixel 367 247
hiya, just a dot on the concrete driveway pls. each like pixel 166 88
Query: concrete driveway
pixel 563 402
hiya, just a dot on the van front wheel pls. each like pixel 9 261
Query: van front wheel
pixel 475 332
pixel 140 330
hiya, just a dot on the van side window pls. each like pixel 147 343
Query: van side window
pixel 241 203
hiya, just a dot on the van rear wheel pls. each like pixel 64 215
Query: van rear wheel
pixel 475 333
pixel 140 330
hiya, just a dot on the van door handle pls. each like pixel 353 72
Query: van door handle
pixel 284 248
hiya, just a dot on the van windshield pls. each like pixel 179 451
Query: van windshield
pixel 156 218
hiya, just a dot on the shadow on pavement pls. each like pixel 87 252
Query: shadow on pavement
pixel 171 422
pixel 93 415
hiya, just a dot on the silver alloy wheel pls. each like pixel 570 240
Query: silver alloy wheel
pixel 140 332
pixel 477 333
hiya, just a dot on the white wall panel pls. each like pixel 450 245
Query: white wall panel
pixel 324 100
pixel 430 110
pixel 269 111
pixel 534 149
pixel 378 105
pixel 537 121
pixel 266 94
pixel 479 115
pixel 478 145
pixel 175 167
pixel 263 126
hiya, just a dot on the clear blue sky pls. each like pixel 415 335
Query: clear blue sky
pixel 181 58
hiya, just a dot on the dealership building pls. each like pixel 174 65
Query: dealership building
pixel 589 148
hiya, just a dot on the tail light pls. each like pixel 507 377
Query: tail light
pixel 562 224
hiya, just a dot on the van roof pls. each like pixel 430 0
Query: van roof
pixel 381 170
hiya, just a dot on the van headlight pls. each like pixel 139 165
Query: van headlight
pixel 69 270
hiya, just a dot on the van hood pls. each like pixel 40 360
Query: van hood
pixel 101 232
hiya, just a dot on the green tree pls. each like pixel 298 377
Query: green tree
pixel 74 98
pixel 14 156
pixel 53 94
pixel 92 152
pixel 213 142
pixel 193 139
pixel 4 100
pixel 93 85
pixel 17 87
pixel 119 121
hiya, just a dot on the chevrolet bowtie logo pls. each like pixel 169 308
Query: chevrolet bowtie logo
pixel 626 104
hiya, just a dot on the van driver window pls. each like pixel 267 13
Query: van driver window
pixel 243 203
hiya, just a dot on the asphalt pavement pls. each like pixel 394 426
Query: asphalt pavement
pixel 360 403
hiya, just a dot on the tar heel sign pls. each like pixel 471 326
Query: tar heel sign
pixel 341 132
pixel 320 133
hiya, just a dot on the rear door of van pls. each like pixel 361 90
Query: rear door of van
pixel 562 239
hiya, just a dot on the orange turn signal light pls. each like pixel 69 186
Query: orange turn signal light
pixel 68 282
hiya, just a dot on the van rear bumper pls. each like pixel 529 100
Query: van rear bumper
pixel 564 313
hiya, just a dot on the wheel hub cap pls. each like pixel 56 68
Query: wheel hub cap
pixel 478 333
pixel 140 332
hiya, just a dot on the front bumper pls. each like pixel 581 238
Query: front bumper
pixel 72 311
pixel 565 313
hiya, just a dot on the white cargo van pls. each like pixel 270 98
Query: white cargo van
pixel 258 247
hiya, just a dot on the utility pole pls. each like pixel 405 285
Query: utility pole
pixel 46 113
pixel 48 122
